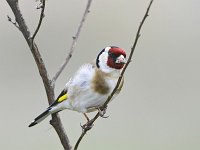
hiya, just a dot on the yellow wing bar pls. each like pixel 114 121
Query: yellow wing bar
pixel 62 98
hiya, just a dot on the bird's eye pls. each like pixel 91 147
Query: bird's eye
pixel 112 55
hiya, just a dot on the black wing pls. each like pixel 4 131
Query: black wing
pixel 62 97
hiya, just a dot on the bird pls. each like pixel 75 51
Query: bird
pixel 88 89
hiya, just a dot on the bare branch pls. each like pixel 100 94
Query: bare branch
pixel 42 7
pixel 34 49
pixel 131 54
pixel 48 83
pixel 84 131
pixel 75 38
pixel 56 123
pixel 90 123
pixel 42 70
pixel 79 139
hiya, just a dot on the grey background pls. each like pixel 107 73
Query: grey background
pixel 158 108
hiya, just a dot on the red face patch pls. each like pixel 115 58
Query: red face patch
pixel 117 51
pixel 113 54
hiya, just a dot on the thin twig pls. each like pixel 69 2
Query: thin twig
pixel 84 130
pixel 14 23
pixel 75 38
pixel 90 123
pixel 26 33
pixel 40 21
pixel 131 54
pixel 79 139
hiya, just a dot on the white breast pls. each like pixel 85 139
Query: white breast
pixel 81 95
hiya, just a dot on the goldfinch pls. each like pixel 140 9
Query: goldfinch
pixel 91 85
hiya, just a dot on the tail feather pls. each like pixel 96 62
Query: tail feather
pixel 41 117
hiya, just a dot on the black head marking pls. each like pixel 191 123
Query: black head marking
pixel 114 47
pixel 97 59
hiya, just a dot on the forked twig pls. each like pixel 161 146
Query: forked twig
pixel 75 38
pixel 40 21
pixel 90 123
pixel 14 23
pixel 56 122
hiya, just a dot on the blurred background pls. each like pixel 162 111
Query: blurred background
pixel 158 108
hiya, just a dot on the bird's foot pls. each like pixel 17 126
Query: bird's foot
pixel 102 111
pixel 88 125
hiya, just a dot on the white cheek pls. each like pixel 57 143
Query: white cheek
pixel 107 49
pixel 103 60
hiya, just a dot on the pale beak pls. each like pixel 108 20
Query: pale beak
pixel 120 60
